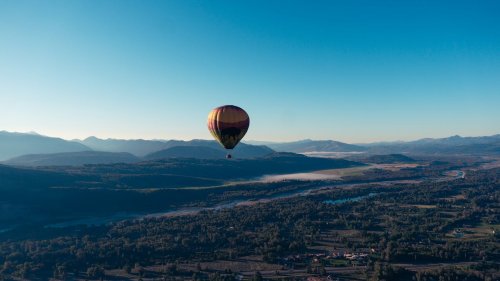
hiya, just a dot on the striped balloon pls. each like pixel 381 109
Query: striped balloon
pixel 228 124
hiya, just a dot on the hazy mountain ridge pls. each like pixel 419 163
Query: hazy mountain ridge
pixel 449 145
pixel 451 140
pixel 152 149
pixel 316 145
pixel 137 147
pixel 102 157
pixel 30 149
pixel 17 144
pixel 27 148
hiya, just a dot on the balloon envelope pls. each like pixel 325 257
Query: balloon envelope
pixel 228 124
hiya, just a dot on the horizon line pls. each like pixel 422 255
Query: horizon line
pixel 245 141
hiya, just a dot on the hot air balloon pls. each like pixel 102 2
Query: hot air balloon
pixel 228 124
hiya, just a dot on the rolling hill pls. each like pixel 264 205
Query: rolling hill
pixel 72 158
pixel 388 159
pixel 200 152
pixel 275 163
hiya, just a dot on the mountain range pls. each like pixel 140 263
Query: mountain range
pixel 31 149
pixel 315 146
pixel 17 144
pixel 138 148
pixel 28 149
pixel 485 145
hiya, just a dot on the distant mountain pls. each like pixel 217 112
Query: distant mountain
pixel 450 145
pixel 242 150
pixel 72 159
pixel 458 140
pixel 452 140
pixel 17 144
pixel 315 146
pixel 250 151
pixel 255 142
pixel 137 147
pixel 209 150
pixel 485 145
pixel 151 149
pixel 388 159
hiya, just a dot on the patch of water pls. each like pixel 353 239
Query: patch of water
pixel 299 176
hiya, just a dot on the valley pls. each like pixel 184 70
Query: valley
pixel 279 216
pixel 294 229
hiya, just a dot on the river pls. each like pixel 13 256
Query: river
pixel 95 221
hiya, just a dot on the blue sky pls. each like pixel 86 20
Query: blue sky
pixel 354 71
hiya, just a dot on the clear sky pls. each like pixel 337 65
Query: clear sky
pixel 351 70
